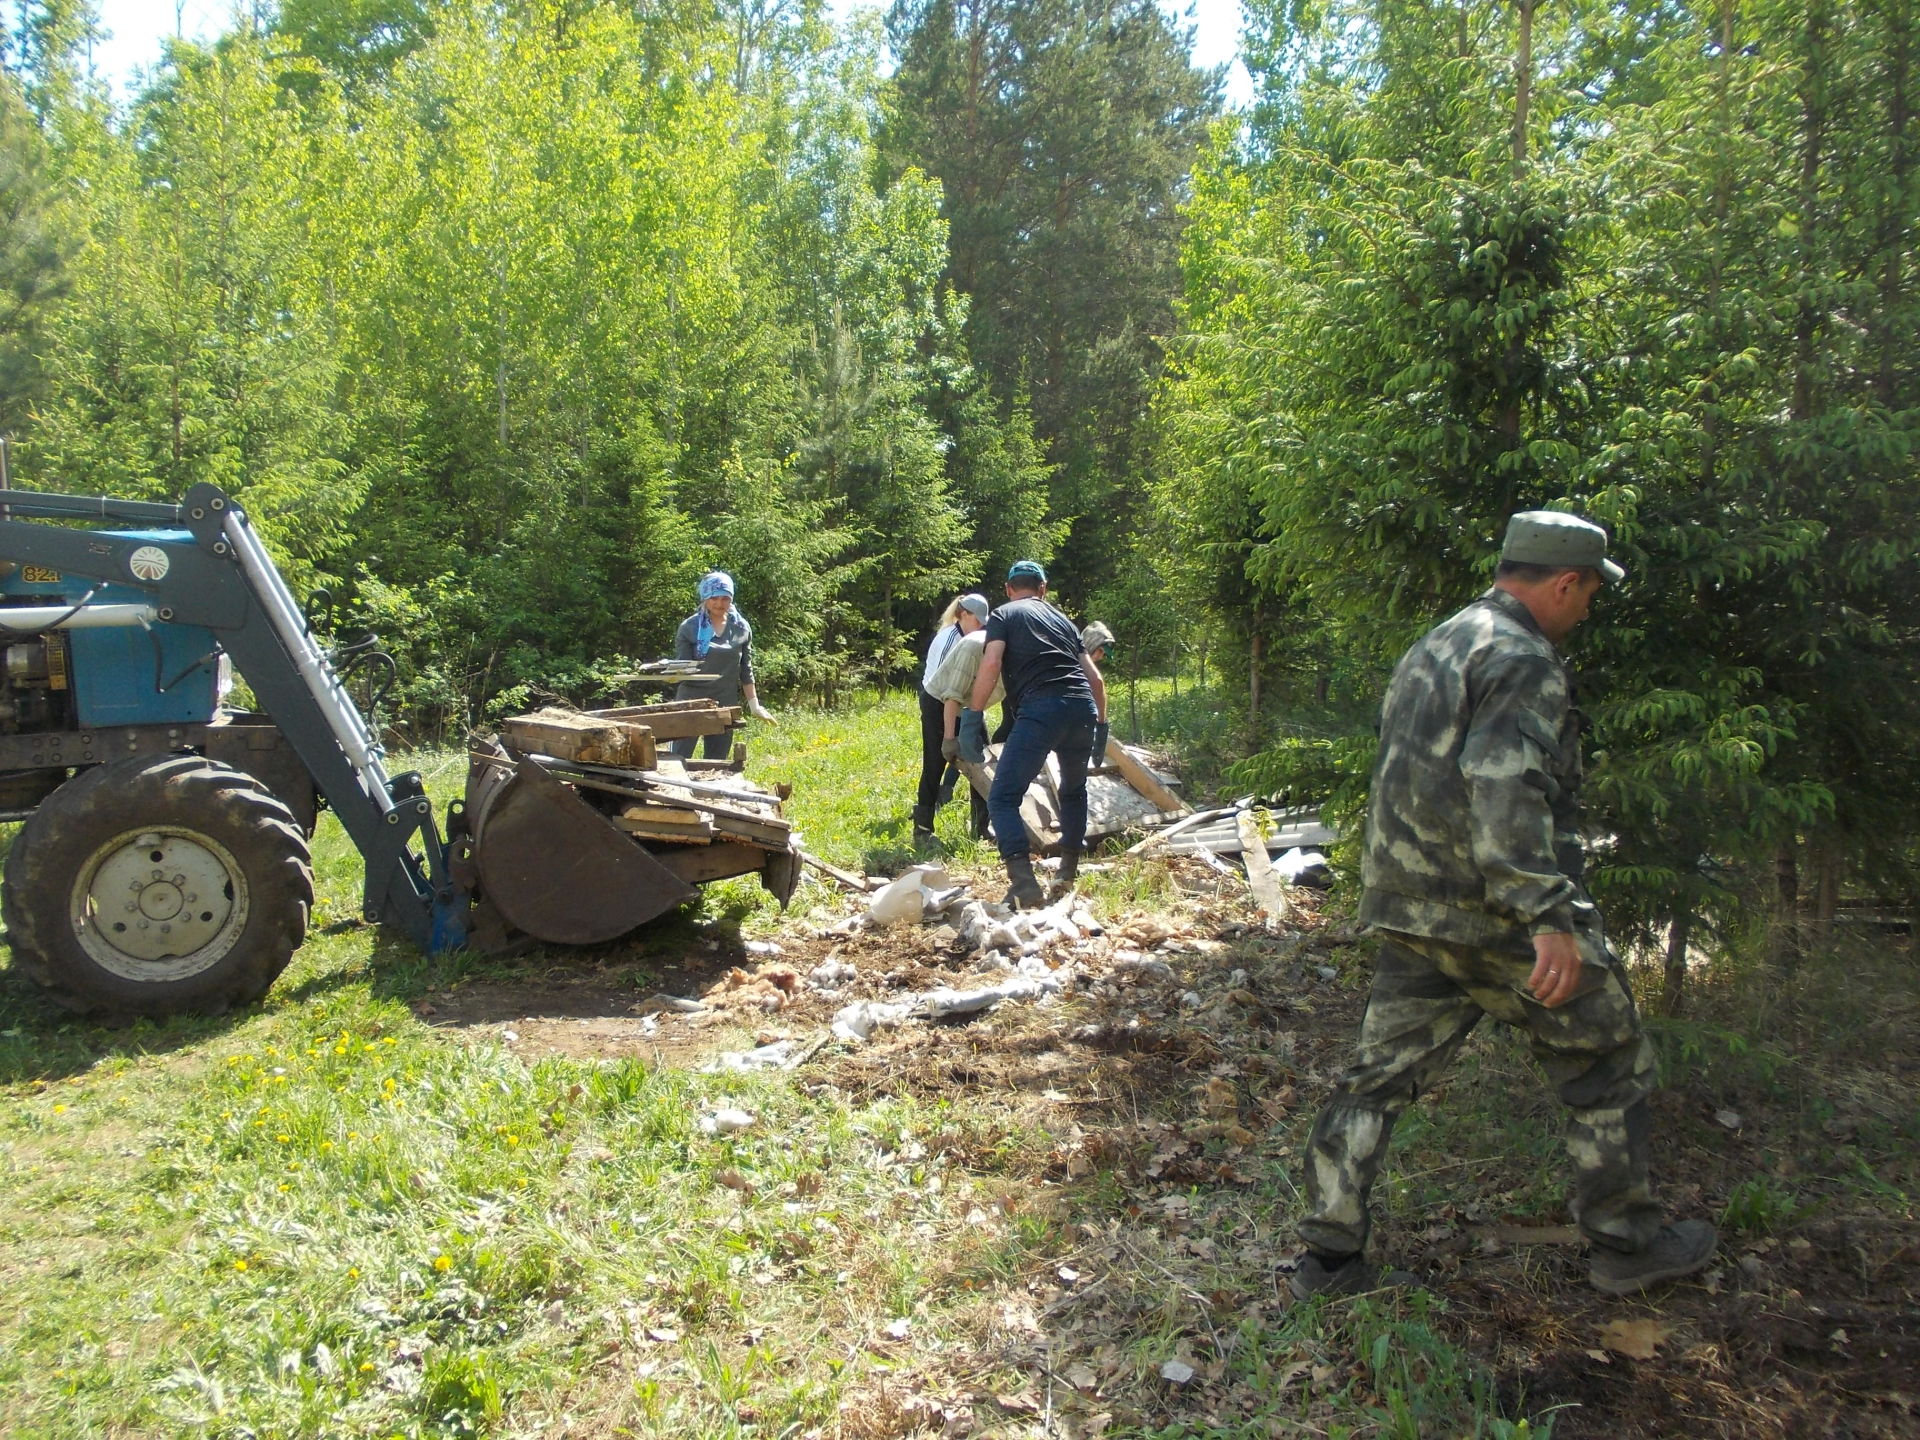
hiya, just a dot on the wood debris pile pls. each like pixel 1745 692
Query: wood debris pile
pixel 1130 787
pixel 703 818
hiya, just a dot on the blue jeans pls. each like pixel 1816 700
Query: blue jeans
pixel 1056 724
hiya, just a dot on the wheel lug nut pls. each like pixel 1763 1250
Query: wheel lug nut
pixel 179 879
pixel 132 907
pixel 159 874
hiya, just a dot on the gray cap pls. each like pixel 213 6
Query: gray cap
pixel 1547 537
pixel 1096 636
pixel 976 605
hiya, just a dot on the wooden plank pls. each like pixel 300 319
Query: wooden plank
pixel 718 861
pixel 845 877
pixel 685 724
pixel 1268 893
pixel 770 818
pixel 1143 779
pixel 777 834
pixel 653 814
pixel 662 707
pixel 1036 806
pixel 571 737
pixel 665 834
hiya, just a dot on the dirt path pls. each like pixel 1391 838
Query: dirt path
pixel 1176 1092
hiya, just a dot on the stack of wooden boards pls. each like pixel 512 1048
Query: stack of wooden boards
pixel 1125 792
pixel 617 760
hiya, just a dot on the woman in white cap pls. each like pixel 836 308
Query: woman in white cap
pixel 964 616
pixel 719 637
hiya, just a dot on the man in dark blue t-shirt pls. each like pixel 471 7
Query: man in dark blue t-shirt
pixel 1060 705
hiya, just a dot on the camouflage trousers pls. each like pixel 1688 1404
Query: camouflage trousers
pixel 1427 997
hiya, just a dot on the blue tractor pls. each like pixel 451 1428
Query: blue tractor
pixel 163 862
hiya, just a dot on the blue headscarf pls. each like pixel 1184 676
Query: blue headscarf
pixel 714 582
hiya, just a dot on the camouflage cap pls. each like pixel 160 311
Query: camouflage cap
pixel 1096 636
pixel 1547 537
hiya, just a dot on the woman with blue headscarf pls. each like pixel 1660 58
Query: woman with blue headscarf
pixel 718 636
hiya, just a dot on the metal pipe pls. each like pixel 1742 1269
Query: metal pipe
pixel 342 715
pixel 91 507
pixel 35 618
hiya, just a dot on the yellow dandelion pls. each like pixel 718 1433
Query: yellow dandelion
pixel 513 1139
pixel 59 1109
pixel 353 1134
pixel 366 1367
pixel 283 1187
pixel 353 1272
pixel 442 1262
pixel 284 1139
pixel 240 1265
pixel 326 1144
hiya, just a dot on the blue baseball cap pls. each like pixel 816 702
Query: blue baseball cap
pixel 1026 572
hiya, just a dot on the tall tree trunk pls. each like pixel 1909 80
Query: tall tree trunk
pixel 1897 214
pixel 1522 86
pixel 1813 108
pixel 1783 939
pixel 1255 651
pixel 1674 975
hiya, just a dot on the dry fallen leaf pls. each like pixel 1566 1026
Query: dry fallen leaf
pixel 1081 1377
pixel 1637 1339
pixel 1178 1371
pixel 1021 1404
pixel 1221 1102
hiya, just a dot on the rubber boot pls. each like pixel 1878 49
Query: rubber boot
pixel 1069 869
pixel 1025 892
pixel 923 825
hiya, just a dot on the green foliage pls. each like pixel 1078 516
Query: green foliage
pixel 1062 132
pixel 34 252
pixel 508 323
pixel 1759 1207
pixel 1669 286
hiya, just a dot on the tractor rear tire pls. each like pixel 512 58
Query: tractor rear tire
pixel 155 885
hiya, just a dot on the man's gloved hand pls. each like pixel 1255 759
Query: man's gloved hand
pixel 973 737
pixel 760 712
pixel 950 748
pixel 1099 756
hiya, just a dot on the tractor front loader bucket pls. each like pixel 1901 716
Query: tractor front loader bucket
pixel 550 865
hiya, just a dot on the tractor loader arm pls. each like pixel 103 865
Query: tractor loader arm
pixel 221 578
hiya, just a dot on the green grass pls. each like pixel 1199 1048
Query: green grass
pixel 323 1217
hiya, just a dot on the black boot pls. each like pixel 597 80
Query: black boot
pixel 1069 869
pixel 923 825
pixel 1025 892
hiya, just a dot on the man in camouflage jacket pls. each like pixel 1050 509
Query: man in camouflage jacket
pixel 1473 875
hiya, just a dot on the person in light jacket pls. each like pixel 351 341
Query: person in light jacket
pixel 967 613
pixel 719 637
